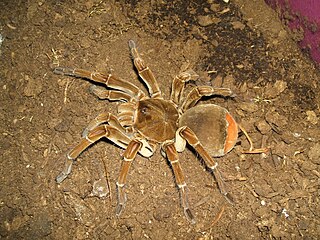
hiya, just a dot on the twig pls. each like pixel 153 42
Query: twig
pixel 252 191
pixel 252 150
pixel 218 216
pixel 107 179
pixel 66 90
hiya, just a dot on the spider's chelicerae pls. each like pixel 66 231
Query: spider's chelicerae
pixel 145 121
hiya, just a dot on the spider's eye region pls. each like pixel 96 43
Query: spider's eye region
pixel 144 110
pixel 146 113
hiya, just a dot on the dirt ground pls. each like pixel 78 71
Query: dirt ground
pixel 241 45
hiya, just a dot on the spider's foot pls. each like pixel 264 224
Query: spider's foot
pixel 189 216
pixel 229 198
pixel 61 177
pixel 100 92
pixel 132 44
pixel 122 198
pixel 85 133
pixel 66 171
pixel 119 209
pixel 64 71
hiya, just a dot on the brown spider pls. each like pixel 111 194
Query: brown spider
pixel 144 121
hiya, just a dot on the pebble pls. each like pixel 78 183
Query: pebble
pixel 274 118
pixel 215 7
pixel 100 188
pixel 207 20
pixel 229 81
pixel 262 211
pixel 275 89
pixel 312 117
pixel 249 107
pixel 62 126
pixel 85 43
pixel 314 153
pixel 263 127
pixel 33 87
pixel 238 25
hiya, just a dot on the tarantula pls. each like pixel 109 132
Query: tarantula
pixel 143 122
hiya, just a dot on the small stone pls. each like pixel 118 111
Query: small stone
pixel 276 119
pixel 262 211
pixel 217 82
pixel 214 7
pixel 85 43
pixel 240 66
pixel 282 149
pixel 312 117
pixel 207 20
pixel 243 88
pixel 314 153
pixel 100 188
pixel 238 25
pixel 228 81
pixel 274 90
pixel 262 188
pixel 303 224
pixel 33 87
pixel 308 166
pixel 162 213
pixel 263 127
pixel 276 231
pixel 62 126
pixel 249 107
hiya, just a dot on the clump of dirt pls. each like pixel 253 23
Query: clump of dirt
pixel 240 45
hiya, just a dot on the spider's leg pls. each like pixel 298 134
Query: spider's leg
pixel 93 136
pixel 109 80
pixel 173 158
pixel 192 139
pixel 178 84
pixel 126 113
pixel 198 92
pixel 104 117
pixel 129 154
pixel 112 95
pixel 144 72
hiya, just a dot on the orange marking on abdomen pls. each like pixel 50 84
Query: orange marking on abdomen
pixel 232 133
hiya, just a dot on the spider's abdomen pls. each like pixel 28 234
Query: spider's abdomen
pixel 156 119
pixel 214 126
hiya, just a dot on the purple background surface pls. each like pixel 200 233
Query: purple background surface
pixel 304 14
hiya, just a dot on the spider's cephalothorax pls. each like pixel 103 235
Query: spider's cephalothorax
pixel 144 121
pixel 156 120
